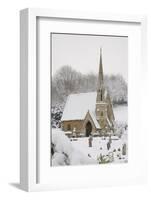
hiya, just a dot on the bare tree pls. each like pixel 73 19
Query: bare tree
pixel 66 81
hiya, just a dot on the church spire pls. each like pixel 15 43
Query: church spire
pixel 100 77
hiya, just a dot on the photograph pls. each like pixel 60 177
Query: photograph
pixel 89 99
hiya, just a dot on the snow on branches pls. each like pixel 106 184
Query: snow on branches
pixel 67 81
pixel 63 153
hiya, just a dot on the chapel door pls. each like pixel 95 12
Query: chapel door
pixel 88 129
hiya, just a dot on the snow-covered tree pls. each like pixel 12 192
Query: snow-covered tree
pixel 63 153
pixel 56 114
pixel 67 81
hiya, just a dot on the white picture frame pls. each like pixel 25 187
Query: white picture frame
pixel 29 148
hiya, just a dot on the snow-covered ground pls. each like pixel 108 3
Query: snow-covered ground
pixel 121 113
pixel 99 147
pixel 76 151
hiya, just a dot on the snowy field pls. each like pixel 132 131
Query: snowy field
pixel 76 151
pixel 99 146
pixel 121 113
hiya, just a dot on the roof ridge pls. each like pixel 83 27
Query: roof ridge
pixel 82 93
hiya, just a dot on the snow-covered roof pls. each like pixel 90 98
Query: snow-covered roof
pixel 109 122
pixel 97 125
pixel 77 106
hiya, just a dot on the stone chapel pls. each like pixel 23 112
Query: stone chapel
pixel 89 113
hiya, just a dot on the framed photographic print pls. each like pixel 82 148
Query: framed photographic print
pixel 82 76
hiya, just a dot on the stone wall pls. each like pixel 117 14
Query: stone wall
pixel 71 125
pixel 78 125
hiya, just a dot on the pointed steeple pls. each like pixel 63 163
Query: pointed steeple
pixel 103 107
pixel 100 77
pixel 100 84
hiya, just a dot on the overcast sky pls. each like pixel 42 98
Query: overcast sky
pixel 82 53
